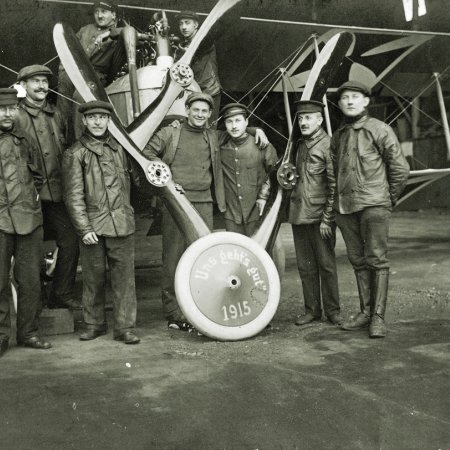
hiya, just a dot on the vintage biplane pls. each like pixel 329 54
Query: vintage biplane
pixel 227 284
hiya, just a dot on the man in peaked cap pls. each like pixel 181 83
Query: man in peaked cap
pixel 97 194
pixel 43 122
pixel 20 228
pixel 371 172
pixel 245 170
pixel 204 63
pixel 192 153
pixel 312 218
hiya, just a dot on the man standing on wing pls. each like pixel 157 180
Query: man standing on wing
pixel 371 173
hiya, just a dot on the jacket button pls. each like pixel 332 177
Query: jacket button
pixel 238 185
pixel 240 197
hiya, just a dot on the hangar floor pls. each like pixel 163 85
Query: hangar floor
pixel 314 387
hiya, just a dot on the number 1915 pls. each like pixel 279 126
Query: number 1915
pixel 241 309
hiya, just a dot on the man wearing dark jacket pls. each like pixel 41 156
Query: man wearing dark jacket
pixel 43 122
pixel 371 173
pixel 245 171
pixel 20 228
pixel 312 218
pixel 204 63
pixel 97 194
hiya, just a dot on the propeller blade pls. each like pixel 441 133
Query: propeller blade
pixel 151 117
pixel 326 66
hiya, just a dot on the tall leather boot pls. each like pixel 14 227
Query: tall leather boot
pixel 362 319
pixel 380 289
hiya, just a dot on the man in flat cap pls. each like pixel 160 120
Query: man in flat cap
pixel 204 63
pixel 97 194
pixel 312 218
pixel 192 152
pixel 106 53
pixel 20 228
pixel 245 169
pixel 371 172
pixel 43 122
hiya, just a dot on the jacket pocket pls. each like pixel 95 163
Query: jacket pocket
pixel 318 199
pixel 315 168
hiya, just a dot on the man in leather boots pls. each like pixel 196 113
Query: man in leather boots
pixel 20 228
pixel 96 175
pixel 371 173
pixel 312 217
pixel 43 122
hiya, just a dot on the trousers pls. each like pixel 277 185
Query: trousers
pixel 366 236
pixel 316 263
pixel 119 253
pixel 27 252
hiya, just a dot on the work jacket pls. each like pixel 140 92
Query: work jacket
pixel 164 145
pixel 204 65
pixel 97 187
pixel 245 170
pixel 313 196
pixel 370 167
pixel 46 125
pixel 20 181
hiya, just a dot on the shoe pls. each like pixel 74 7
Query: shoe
pixel 91 333
pixel 179 325
pixel 377 327
pixel 4 343
pixel 306 318
pixel 335 319
pixel 72 304
pixel 35 342
pixel 358 322
pixel 128 338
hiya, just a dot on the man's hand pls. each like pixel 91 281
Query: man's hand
pixel 261 204
pixel 175 124
pixel 90 238
pixel 325 231
pixel 261 139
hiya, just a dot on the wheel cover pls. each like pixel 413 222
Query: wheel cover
pixel 227 286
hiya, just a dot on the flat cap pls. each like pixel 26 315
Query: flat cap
pixel 95 106
pixel 8 96
pixel 232 109
pixel 108 5
pixel 187 15
pixel 354 85
pixel 200 96
pixel 309 106
pixel 30 71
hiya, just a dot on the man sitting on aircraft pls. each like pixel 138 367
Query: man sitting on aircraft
pixel 371 173
pixel 43 122
pixel 204 63
pixel 245 170
pixel 312 218
pixel 100 42
pixel 20 228
pixel 97 194
pixel 192 152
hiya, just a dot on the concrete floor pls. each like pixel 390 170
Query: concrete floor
pixel 314 387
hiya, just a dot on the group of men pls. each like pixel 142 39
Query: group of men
pixel 81 194
pixel 353 180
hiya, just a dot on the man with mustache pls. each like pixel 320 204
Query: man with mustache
pixel 371 173
pixel 43 122
pixel 312 218
pixel 97 194
pixel 20 228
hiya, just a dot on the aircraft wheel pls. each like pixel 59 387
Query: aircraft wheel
pixel 227 286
